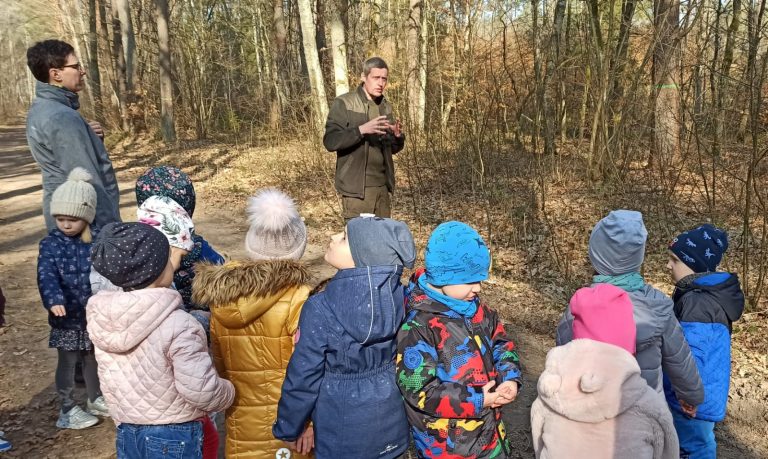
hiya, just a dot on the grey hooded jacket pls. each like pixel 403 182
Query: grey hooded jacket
pixel 60 140
pixel 661 344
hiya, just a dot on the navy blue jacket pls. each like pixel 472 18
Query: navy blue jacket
pixel 342 371
pixel 706 309
pixel 63 270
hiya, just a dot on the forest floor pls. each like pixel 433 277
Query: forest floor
pixel 224 175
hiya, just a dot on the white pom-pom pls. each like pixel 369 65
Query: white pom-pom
pixel 271 210
pixel 79 174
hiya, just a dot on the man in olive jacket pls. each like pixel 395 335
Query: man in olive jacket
pixel 363 132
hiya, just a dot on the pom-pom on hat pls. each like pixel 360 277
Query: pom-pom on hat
pixel 702 248
pixel 130 255
pixel 167 216
pixel 75 197
pixel 277 231
pixel 604 313
pixel 456 254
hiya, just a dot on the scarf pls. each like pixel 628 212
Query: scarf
pixel 629 282
pixel 463 308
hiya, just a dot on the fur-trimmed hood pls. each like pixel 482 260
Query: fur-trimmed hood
pixel 252 287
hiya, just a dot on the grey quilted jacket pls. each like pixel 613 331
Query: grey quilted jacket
pixel 661 344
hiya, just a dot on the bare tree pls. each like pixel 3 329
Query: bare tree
pixel 313 62
pixel 162 16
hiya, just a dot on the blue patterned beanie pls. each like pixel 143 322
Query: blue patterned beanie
pixel 456 254
pixel 702 248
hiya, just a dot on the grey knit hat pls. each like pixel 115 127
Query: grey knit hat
pixel 130 255
pixel 375 241
pixel 75 197
pixel 617 243
pixel 277 231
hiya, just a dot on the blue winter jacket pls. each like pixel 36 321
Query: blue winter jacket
pixel 706 308
pixel 342 371
pixel 63 271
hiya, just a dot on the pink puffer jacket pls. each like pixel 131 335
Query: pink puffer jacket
pixel 154 365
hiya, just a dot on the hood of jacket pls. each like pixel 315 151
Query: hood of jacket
pixel 57 94
pixel 239 292
pixel 590 381
pixel 368 299
pixel 120 321
pixel 722 286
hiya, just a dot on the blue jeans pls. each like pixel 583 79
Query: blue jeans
pixel 138 441
pixel 697 437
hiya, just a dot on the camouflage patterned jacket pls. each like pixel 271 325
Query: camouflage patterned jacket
pixel 443 361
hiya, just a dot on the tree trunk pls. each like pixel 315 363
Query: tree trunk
pixel 666 69
pixel 118 56
pixel 128 38
pixel 93 60
pixel 339 48
pixel 412 48
pixel 162 15
pixel 313 62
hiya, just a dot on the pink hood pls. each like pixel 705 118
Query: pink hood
pixel 594 404
pixel 154 365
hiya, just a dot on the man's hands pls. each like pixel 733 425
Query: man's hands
pixel 96 126
pixel 380 126
pixel 58 310
pixel 506 393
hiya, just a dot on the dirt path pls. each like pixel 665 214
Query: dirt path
pixel 28 405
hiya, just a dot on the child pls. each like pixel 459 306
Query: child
pixel 157 376
pixel 62 277
pixel 255 308
pixel 616 250
pixel 173 183
pixel 167 216
pixel 452 351
pixel 593 403
pixel 706 304
pixel 342 372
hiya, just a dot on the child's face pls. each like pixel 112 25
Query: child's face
pixel 166 277
pixel 176 255
pixel 463 292
pixel 338 253
pixel 70 226
pixel 678 269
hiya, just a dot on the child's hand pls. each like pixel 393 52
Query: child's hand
pixel 306 441
pixel 507 392
pixel 58 310
pixel 689 410
pixel 489 398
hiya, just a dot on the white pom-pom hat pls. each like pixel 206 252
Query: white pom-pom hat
pixel 277 231
pixel 75 197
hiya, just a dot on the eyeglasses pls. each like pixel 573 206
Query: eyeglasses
pixel 77 66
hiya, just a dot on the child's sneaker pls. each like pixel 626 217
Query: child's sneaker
pixel 76 418
pixel 5 445
pixel 97 407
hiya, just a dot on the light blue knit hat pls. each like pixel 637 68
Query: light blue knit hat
pixel 456 254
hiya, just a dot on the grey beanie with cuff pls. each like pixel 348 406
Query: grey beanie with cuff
pixel 617 243
pixel 376 241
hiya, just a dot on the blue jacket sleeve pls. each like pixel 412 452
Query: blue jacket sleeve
pixel 679 365
pixel 304 374
pixel 207 253
pixel 48 278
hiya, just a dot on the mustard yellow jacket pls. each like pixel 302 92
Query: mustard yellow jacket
pixel 255 307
